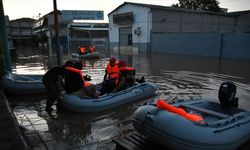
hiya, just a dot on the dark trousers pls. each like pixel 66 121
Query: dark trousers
pixel 53 93
pixel 108 86
pixel 125 86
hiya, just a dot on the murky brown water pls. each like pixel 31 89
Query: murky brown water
pixel 182 76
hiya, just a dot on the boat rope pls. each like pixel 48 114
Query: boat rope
pixel 129 89
pixel 143 123
pixel 152 112
pixel 25 77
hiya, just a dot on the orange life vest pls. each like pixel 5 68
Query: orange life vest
pixel 192 117
pixel 113 72
pixel 91 48
pixel 128 69
pixel 76 71
pixel 80 73
pixel 83 50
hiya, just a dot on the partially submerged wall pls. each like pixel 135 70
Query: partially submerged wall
pixel 236 46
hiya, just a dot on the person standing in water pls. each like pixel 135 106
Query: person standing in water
pixel 52 80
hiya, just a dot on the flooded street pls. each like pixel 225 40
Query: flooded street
pixel 183 76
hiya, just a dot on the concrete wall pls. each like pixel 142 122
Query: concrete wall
pixel 243 23
pixel 184 32
pixel 235 46
pixel 135 49
pixel 191 22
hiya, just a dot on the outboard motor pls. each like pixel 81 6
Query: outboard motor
pixel 227 97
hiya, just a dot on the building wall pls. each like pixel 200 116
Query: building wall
pixel 23 38
pixel 243 23
pixel 191 22
pixel 234 46
pixel 89 33
pixel 62 25
pixel 21 28
pixel 187 44
pixel 7 25
pixel 184 32
pixel 141 21
pixel 200 34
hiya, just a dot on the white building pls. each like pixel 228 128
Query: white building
pixel 73 34
pixel 150 28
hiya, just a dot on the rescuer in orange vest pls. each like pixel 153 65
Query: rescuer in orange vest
pixel 126 77
pixel 91 48
pixel 75 83
pixel 52 80
pixel 82 50
pixel 110 77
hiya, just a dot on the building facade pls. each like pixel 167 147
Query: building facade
pixel 21 38
pixel 71 34
pixel 88 33
pixel 7 24
pixel 44 28
pixel 149 28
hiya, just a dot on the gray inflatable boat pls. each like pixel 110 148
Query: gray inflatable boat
pixel 109 101
pixel 224 129
pixel 93 55
pixel 22 85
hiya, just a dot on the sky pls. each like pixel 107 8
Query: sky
pixel 32 8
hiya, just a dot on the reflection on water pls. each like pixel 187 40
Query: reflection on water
pixel 182 76
pixel 189 84
pixel 30 65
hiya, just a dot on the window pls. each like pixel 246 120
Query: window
pixel 124 18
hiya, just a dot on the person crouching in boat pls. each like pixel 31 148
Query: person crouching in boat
pixel 82 50
pixel 110 77
pixel 126 77
pixel 52 80
pixel 91 48
pixel 75 83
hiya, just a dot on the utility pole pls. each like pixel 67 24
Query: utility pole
pixel 5 60
pixel 58 50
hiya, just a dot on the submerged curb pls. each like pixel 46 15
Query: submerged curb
pixel 11 136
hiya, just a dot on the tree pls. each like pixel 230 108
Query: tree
pixel 211 5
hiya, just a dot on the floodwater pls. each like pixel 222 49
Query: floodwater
pixel 183 76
